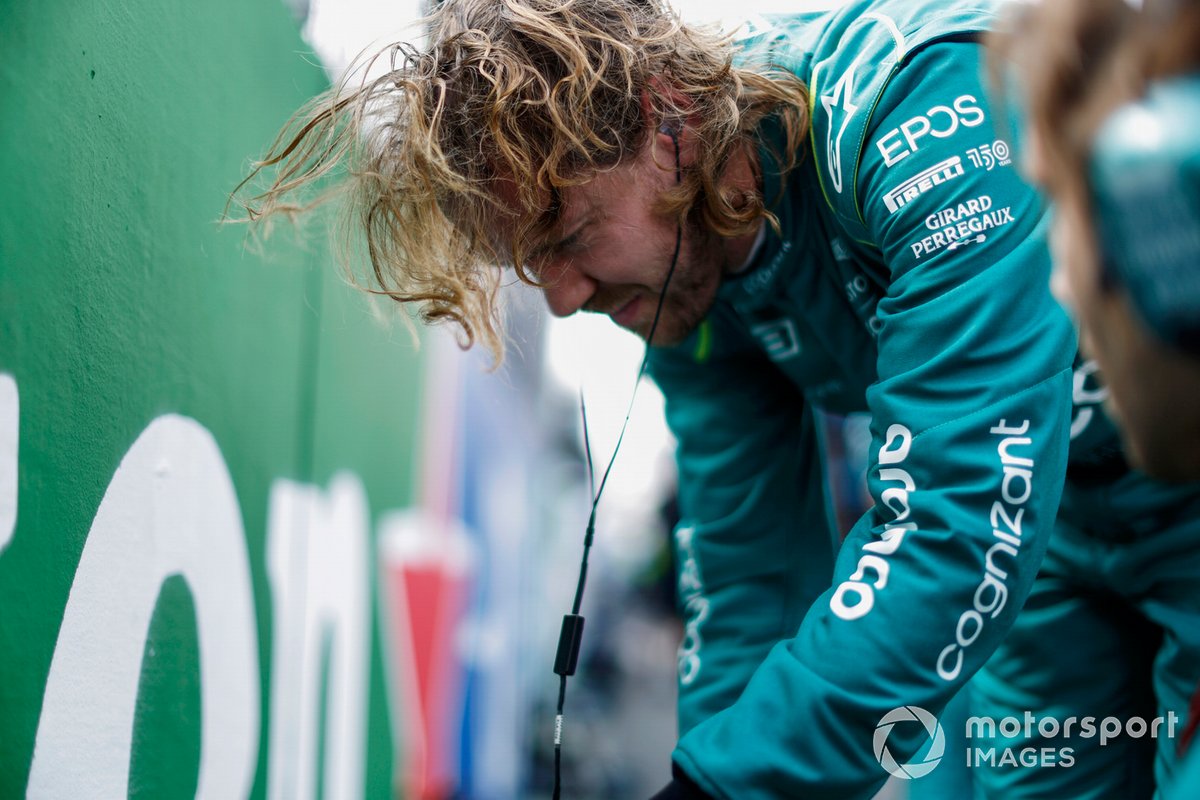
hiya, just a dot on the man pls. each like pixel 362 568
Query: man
pixel 1118 156
pixel 834 222
pixel 1110 106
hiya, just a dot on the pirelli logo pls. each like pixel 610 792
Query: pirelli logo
pixel 936 175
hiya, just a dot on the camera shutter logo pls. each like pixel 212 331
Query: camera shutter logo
pixel 915 769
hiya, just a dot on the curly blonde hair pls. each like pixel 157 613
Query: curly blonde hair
pixel 1074 62
pixel 510 102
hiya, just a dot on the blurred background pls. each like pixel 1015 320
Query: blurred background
pixel 254 541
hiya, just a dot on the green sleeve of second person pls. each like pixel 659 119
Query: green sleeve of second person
pixel 970 435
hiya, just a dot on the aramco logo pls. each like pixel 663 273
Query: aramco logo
pixel 915 769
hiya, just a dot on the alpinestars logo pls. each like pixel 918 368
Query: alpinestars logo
pixel 838 100
pixel 912 188
pixel 914 769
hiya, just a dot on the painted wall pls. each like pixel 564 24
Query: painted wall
pixel 199 446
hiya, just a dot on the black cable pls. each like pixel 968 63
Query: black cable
pixel 587 445
pixel 571 636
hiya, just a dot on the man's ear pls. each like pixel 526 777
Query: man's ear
pixel 664 108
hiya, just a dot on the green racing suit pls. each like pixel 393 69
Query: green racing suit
pixel 909 278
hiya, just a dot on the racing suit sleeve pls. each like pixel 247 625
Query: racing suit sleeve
pixel 753 547
pixel 970 431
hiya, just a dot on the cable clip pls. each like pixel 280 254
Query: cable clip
pixel 569 641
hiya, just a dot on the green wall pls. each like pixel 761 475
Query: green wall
pixel 123 125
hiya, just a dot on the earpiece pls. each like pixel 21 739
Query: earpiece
pixel 671 129
pixel 1144 176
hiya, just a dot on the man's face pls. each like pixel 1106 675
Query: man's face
pixel 1152 387
pixel 610 253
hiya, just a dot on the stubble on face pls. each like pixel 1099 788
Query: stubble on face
pixel 705 259
pixel 687 294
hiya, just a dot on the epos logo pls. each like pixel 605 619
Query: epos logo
pixel 940 122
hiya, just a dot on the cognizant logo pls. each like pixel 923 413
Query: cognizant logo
pixel 913 769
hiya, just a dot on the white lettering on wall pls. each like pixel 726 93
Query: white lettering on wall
pixel 9 431
pixel 169 510
pixel 317 560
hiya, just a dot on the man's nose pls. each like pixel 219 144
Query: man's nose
pixel 567 289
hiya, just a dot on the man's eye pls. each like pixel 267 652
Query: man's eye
pixel 571 244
